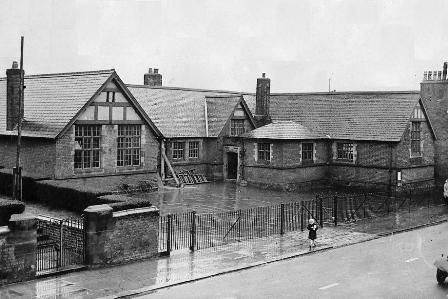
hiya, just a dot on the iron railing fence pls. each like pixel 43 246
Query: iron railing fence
pixel 60 243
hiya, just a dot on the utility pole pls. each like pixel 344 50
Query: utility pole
pixel 17 171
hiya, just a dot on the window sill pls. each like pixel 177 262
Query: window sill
pixel 88 170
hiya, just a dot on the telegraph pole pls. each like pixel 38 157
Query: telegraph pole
pixel 17 171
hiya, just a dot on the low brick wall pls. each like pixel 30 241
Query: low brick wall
pixel 135 235
pixel 120 237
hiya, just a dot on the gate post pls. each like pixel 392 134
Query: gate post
pixel 61 244
pixel 169 232
pixel 335 210
pixel 193 231
pixel 282 219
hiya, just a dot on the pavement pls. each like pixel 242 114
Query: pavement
pixel 180 267
pixel 395 266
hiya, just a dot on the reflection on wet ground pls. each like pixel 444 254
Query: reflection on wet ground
pixel 179 267
pixel 218 197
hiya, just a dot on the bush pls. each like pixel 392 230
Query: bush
pixel 9 207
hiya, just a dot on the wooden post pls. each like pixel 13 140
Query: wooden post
pixel 301 216
pixel 171 169
pixel 17 172
pixel 162 160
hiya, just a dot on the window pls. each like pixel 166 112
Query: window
pixel 344 151
pixel 415 138
pixel 128 145
pixel 307 152
pixel 110 96
pixel 236 127
pixel 87 146
pixel 264 152
pixel 193 149
pixel 178 150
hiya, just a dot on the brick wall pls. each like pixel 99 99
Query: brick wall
pixel 65 148
pixel 18 243
pixel 434 96
pixel 37 155
pixel 375 163
pixel 114 238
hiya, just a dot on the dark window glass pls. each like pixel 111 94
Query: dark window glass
pixel 193 149
pixel 129 145
pixel 236 127
pixel 307 152
pixel 87 146
pixel 415 138
pixel 264 152
pixel 178 150
pixel 344 151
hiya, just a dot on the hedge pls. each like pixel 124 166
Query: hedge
pixel 59 195
pixel 9 207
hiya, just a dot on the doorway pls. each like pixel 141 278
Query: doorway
pixel 232 165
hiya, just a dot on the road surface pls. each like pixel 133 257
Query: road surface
pixel 398 266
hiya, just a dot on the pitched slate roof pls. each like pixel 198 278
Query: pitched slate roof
pixel 373 116
pixel 52 100
pixel 283 130
pixel 180 112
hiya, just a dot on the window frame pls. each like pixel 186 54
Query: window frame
pixel 309 152
pixel 415 139
pixel 88 138
pixel 345 151
pixel 129 145
pixel 264 152
pixel 193 150
pixel 175 150
pixel 237 130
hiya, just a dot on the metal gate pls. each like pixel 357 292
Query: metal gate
pixel 60 244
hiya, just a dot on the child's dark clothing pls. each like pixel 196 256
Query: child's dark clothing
pixel 312 235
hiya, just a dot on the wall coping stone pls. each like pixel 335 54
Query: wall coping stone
pixel 136 211
pixel 22 222
pixel 4 230
pixel 99 209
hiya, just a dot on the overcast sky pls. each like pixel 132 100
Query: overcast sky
pixel 227 44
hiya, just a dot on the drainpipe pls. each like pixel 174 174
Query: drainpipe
pixel 390 169
pixel 206 117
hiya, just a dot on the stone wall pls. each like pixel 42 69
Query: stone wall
pixel 18 243
pixel 115 238
pixel 37 155
pixel 65 149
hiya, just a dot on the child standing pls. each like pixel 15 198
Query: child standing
pixel 312 235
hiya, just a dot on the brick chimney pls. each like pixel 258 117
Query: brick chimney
pixel 263 93
pixel 434 95
pixel 13 97
pixel 152 78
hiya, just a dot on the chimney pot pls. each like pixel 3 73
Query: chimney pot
pixel 150 71
pixel 15 65
pixel 263 75
pixel 156 71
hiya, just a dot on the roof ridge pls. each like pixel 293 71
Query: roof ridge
pixel 187 89
pixel 68 74
pixel 347 92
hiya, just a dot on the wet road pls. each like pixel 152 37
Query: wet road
pixel 399 266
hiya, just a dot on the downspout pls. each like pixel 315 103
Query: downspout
pixel 206 117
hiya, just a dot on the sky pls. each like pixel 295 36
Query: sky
pixel 226 44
